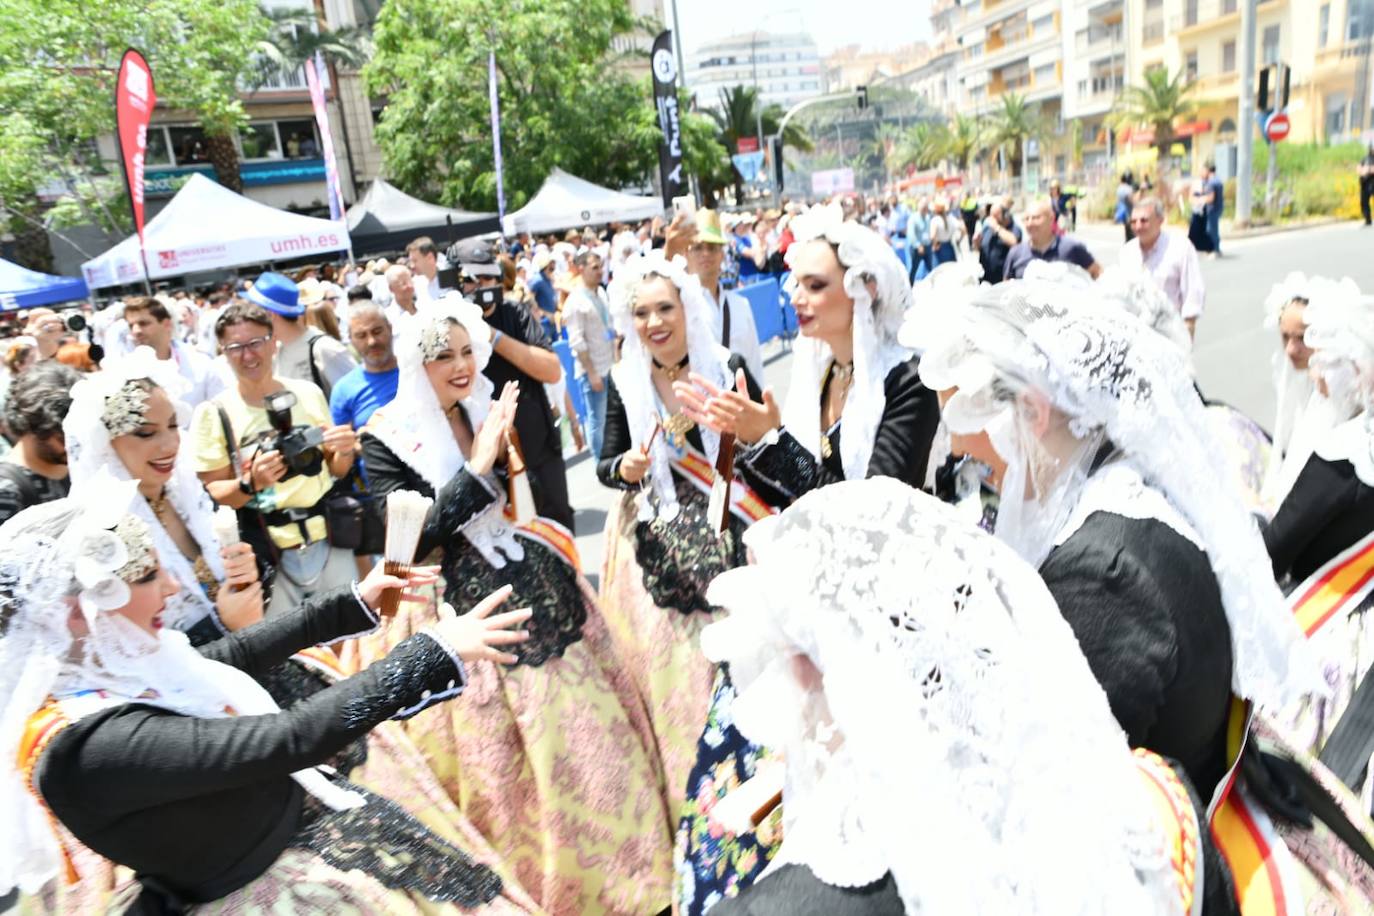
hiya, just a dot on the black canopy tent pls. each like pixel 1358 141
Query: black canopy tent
pixel 387 219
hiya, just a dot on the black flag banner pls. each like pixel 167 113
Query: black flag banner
pixel 664 65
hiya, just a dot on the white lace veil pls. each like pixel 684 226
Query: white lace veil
pixel 416 430
pixel 955 737
pixel 865 256
pixel 71 555
pixel 90 453
pixel 1340 331
pixel 1114 381
pixel 633 373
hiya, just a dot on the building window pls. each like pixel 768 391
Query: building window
pixel 1358 19
pixel 1190 65
pixel 1335 116
pixel 1228 7
pixel 1154 4
pixel 1044 76
pixel 1271 45
pixel 1228 57
pixel 298 138
pixel 259 141
pixel 188 145
pixel 159 151
pixel 1323 24
pixel 1042 25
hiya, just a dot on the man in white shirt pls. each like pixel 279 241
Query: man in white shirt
pixel 303 352
pixel 1168 257
pixel 424 265
pixel 732 318
pixel 150 325
pixel 587 318
pixel 401 285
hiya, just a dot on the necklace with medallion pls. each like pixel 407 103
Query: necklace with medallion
pixel 676 427
pixel 839 377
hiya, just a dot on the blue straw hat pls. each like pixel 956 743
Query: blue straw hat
pixel 277 293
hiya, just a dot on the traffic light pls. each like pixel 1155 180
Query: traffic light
pixel 861 94
pixel 1273 87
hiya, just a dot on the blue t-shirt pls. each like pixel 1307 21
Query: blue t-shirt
pixel 544 294
pixel 359 393
pixel 1218 204
pixel 747 267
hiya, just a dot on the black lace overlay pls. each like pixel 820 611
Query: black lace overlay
pixel 412 677
pixel 384 842
pixel 679 558
pixel 783 468
pixel 542 582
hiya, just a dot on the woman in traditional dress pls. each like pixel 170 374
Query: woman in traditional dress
pixel 1114 485
pixel 178 765
pixel 945 748
pixel 662 544
pixel 855 408
pixel 123 423
pixel 1321 538
pixel 552 758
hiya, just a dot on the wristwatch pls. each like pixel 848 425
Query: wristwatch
pixel 246 487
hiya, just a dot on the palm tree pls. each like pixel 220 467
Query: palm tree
pixel 924 144
pixel 1016 122
pixel 1159 103
pixel 886 148
pixel 738 116
pixel 294 36
pixel 965 138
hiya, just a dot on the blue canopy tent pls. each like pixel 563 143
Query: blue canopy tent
pixel 21 288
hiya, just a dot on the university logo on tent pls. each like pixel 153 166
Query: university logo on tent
pixel 167 260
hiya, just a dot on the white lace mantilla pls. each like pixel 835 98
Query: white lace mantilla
pixel 1352 441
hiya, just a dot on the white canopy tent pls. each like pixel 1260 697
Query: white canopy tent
pixel 208 227
pixel 567 202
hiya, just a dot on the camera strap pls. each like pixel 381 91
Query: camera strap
pixel 315 369
pixel 231 445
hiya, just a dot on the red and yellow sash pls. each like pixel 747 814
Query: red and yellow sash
pixel 555 537
pixel 1336 589
pixel 744 502
pixel 41 728
pixel 1171 799
pixel 321 660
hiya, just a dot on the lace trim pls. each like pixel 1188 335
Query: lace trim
pixel 1119 488
pixel 1352 441
pixel 414 676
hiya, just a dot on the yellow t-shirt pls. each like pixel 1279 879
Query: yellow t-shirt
pixel 249 423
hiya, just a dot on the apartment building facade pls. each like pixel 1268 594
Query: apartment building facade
pixel 785 67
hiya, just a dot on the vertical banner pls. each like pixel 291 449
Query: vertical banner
pixel 495 101
pixel 134 101
pixel 313 67
pixel 664 66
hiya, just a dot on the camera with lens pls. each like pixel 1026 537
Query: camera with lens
pixel 299 446
pixel 76 322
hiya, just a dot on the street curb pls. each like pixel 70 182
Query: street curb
pixel 1257 231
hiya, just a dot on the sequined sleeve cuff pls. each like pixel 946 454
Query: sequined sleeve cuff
pixel 366 620
pixel 421 671
pixel 780 463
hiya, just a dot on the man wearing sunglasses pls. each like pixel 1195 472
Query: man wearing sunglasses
pixel 236 457
pixel 1168 257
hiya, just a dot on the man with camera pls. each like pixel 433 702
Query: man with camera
pixel 521 353
pixel 267 447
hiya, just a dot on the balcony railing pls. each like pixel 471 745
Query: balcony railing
pixel 273 79
pixel 1152 33
pixel 1203 13
pixel 1088 39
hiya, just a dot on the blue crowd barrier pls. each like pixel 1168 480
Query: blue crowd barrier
pixel 789 314
pixel 565 357
pixel 766 304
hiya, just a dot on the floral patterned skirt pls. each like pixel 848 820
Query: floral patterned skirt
pixel 712 864
pixel 554 762
pixel 660 648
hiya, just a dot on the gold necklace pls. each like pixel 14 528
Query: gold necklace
pixel 838 374
pixel 158 503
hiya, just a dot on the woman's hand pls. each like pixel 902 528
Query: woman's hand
pixel 490 442
pixel 728 411
pixel 340 441
pixel 240 565
pixel 379 580
pixel 634 464
pixel 476 635
pixel 239 607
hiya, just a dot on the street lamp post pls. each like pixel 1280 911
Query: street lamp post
pixel 1246 115
pixel 758 97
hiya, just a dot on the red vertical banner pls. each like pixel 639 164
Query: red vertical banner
pixel 313 67
pixel 134 101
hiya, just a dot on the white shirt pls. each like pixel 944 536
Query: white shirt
pixel 744 334
pixel 426 290
pixel 202 381
pixel 1173 265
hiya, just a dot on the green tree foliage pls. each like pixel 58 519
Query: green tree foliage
pixel 739 116
pixel 1159 103
pixel 702 153
pixel 58 62
pixel 563 103
pixel 1013 123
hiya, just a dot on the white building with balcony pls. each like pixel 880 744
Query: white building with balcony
pixel 786 68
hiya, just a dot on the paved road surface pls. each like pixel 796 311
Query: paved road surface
pixel 1233 352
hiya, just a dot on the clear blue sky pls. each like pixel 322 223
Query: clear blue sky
pixel 874 24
